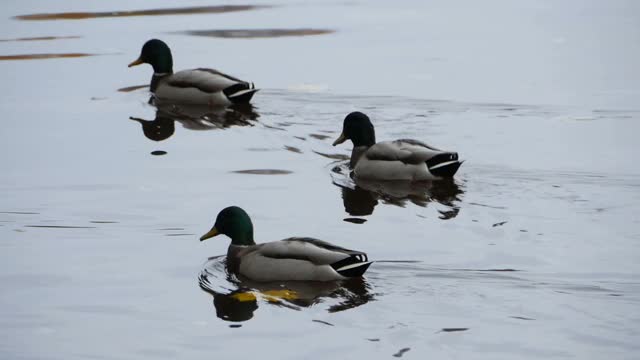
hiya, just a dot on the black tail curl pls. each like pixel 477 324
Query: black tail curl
pixel 352 266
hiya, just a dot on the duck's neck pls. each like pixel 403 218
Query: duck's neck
pixel 233 257
pixel 155 80
pixel 244 238
pixel 162 67
pixel 162 64
pixel 357 153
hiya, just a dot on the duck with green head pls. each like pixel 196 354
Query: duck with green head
pixel 403 159
pixel 195 86
pixel 294 258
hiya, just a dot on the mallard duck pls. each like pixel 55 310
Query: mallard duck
pixel 403 159
pixel 195 86
pixel 294 258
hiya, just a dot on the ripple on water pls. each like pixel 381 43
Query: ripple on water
pixel 323 322
pixel 454 329
pixel 43 56
pixel 147 12
pixel 331 156
pixel 256 33
pixel 60 226
pixel 132 88
pixel 293 149
pixel 263 172
pixel 19 212
pixel 41 38
pixel 319 136
pixel 401 352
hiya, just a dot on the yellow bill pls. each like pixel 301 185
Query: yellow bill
pixel 136 62
pixel 213 232
pixel 340 140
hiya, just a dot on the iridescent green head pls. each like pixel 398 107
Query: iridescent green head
pixel 235 223
pixel 157 54
pixel 358 128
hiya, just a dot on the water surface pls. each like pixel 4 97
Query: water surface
pixel 530 252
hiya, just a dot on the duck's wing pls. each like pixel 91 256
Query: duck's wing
pixel 407 151
pixel 303 259
pixel 313 250
pixel 418 143
pixel 206 80
pixel 413 152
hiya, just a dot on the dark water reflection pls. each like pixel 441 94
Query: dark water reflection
pixel 360 197
pixel 358 201
pixel 236 298
pixel 195 118
pixel 161 128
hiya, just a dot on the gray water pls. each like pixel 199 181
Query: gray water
pixel 531 252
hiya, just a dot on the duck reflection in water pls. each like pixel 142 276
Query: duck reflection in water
pixel 236 297
pixel 361 197
pixel 161 128
pixel 195 117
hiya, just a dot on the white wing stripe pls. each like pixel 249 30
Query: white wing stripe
pixel 443 164
pixel 347 267
pixel 242 92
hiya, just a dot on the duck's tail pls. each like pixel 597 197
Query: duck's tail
pixel 352 266
pixel 444 165
pixel 240 93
